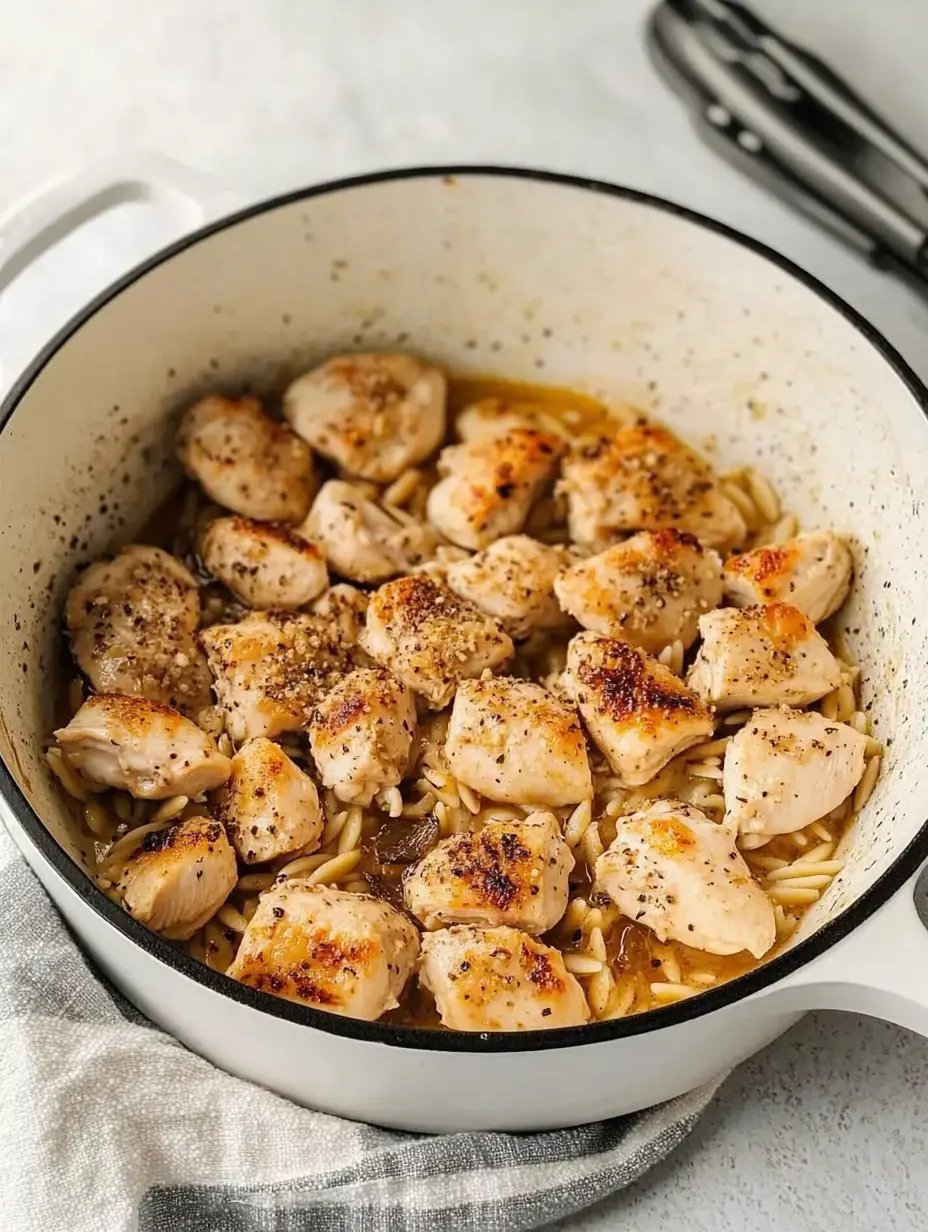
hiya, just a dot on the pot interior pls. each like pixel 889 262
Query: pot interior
pixel 525 278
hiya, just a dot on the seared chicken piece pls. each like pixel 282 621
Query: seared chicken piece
pixel 812 572
pixel 179 877
pixel 264 564
pixel 679 873
pixel 489 486
pixel 512 872
pixel 446 554
pixel 362 540
pixel 649 590
pixel 637 711
pixel 373 415
pixel 269 807
pixel 361 734
pixel 512 740
pixel 644 478
pixel 785 769
pixel 345 607
pixel 499 979
pixel 337 951
pixel 133 625
pixel 430 639
pixel 761 656
pixel 496 416
pixel 142 747
pixel 245 460
pixel 272 668
pixel 513 580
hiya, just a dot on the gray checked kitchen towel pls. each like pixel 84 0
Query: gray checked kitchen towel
pixel 106 1124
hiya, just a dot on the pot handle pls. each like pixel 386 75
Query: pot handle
pixel 33 226
pixel 880 969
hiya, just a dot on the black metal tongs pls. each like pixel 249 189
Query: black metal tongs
pixel 784 118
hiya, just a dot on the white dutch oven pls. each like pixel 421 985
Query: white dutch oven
pixel 533 277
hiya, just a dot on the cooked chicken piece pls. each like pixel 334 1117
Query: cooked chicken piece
pixel 245 460
pixel 785 769
pixel 812 572
pixel 644 478
pixel 141 746
pixel 430 639
pixel 761 656
pixel 512 872
pixel 513 580
pixel 361 734
pixel 373 415
pixel 264 563
pixel 446 554
pixel 679 873
pixel 512 740
pixel 499 979
pixel 649 590
pixel 179 877
pixel 334 950
pixel 637 711
pixel 489 486
pixel 133 626
pixel 362 540
pixel 345 607
pixel 272 668
pixel 269 807
pixel 491 417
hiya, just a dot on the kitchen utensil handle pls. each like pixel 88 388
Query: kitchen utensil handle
pixel 33 226
pixel 880 969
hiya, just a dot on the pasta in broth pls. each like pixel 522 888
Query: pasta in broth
pixel 366 848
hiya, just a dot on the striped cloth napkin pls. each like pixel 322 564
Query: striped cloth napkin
pixel 110 1124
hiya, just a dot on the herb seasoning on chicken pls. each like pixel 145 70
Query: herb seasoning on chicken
pixel 430 639
pixel 133 622
pixel 245 460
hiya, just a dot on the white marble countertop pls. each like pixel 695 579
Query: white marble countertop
pixel 825 1128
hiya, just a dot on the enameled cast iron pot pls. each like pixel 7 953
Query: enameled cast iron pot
pixel 534 277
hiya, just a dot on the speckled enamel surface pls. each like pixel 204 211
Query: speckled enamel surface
pixel 528 280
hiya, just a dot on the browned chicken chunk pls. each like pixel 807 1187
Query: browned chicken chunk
pixel 496 416
pixel 373 415
pixel 679 873
pixel 179 877
pixel 270 808
pixel 785 769
pixel 245 460
pixel 512 740
pixel 365 541
pixel 142 747
pixel 761 656
pixel 264 564
pixel 649 590
pixel 499 979
pixel 336 951
pixel 637 711
pixel 272 668
pixel 430 639
pixel 512 872
pixel 513 580
pixel 133 625
pixel 488 486
pixel 644 478
pixel 346 608
pixel 811 572
pixel 361 734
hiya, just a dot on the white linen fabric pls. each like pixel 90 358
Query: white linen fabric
pixel 109 1124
